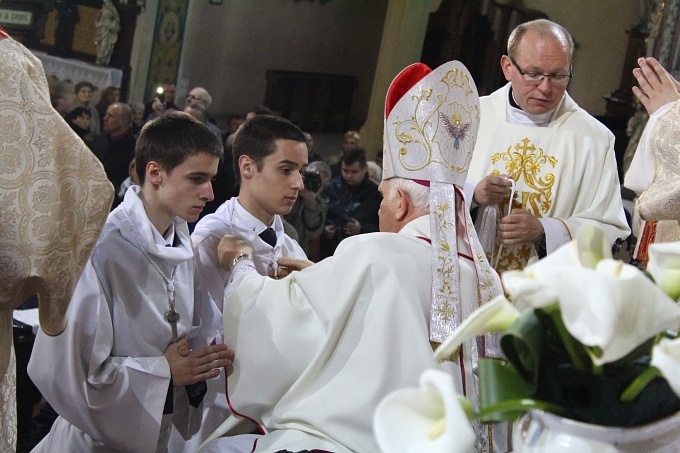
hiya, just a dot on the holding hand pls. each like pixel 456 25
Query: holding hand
pixel 657 86
pixel 519 227
pixel 492 190
pixel 229 248
pixel 189 366
pixel 292 264
pixel 352 227
pixel 329 231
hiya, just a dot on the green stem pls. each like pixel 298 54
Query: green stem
pixel 573 347
pixel 638 385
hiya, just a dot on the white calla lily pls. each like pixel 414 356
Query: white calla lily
pixel 429 419
pixel 614 307
pixel 664 265
pixel 495 316
pixel 666 357
pixel 532 287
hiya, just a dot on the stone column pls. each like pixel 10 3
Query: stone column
pixel 402 44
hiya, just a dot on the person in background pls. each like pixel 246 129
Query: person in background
pixel 62 106
pixel 116 147
pixel 108 96
pixel 79 120
pixel 350 139
pixel 201 96
pixel 313 155
pixel 353 202
pixel 234 121
pixel 137 117
pixel 83 91
pixel 560 158
pixel 308 216
pixel 162 102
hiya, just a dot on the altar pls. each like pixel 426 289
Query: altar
pixel 74 71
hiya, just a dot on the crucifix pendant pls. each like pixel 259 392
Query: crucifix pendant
pixel 172 317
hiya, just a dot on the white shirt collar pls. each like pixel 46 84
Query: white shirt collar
pixel 513 115
pixel 252 223
pixel 167 240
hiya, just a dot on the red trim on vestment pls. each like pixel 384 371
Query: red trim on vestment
pixel 233 411
pixel 647 237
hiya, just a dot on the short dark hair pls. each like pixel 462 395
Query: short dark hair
pixel 170 139
pixel 355 154
pixel 256 138
pixel 261 110
pixel 81 85
pixel 77 112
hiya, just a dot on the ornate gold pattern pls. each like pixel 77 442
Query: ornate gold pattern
pixel 445 298
pixel 54 199
pixel 525 164
pixel 425 132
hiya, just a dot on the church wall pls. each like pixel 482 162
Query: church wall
pixel 599 30
pixel 228 48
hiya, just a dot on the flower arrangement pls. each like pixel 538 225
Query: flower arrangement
pixel 585 337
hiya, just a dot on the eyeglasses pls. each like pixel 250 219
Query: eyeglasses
pixel 536 78
pixel 191 96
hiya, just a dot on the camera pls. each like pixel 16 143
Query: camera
pixel 312 180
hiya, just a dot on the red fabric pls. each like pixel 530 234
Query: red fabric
pixel 403 82
pixel 3 33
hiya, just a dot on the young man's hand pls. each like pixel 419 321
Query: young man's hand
pixel 189 366
pixel 229 248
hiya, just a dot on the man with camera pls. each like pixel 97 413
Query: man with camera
pixel 162 102
pixel 269 155
pixel 308 216
pixel 353 202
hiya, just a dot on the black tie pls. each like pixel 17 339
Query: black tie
pixel 269 236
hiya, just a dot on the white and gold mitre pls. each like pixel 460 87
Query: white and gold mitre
pixel 431 124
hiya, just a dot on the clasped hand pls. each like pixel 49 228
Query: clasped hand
pixel 189 366
pixel 519 227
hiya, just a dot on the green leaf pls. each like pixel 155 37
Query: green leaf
pixel 511 410
pixel 522 345
pixel 500 383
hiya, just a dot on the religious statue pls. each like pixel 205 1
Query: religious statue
pixel 107 26
pixel 67 18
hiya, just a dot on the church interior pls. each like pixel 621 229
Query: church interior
pixel 326 66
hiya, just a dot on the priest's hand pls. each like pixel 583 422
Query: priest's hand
pixel 492 189
pixel 199 364
pixel 292 264
pixel 657 86
pixel 519 227
pixel 229 248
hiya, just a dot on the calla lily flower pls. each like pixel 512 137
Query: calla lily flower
pixel 495 316
pixel 614 307
pixel 429 419
pixel 664 265
pixel 605 304
pixel 532 287
pixel 666 358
